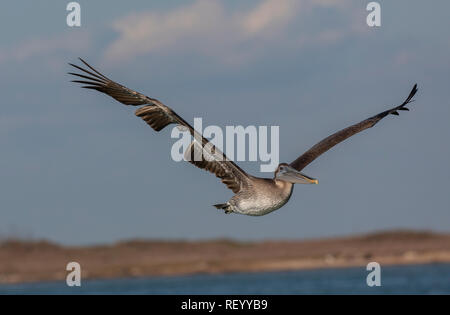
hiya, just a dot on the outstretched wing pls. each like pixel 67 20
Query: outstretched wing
pixel 157 115
pixel 329 142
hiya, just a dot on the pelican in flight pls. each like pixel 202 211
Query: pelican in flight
pixel 253 195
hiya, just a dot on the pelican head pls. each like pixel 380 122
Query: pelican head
pixel 289 174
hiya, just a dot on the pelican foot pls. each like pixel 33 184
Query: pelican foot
pixel 225 207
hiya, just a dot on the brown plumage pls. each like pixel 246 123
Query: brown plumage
pixel 253 195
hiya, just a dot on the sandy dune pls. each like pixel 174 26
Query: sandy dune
pixel 26 261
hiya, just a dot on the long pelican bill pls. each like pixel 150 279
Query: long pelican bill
pixel 291 175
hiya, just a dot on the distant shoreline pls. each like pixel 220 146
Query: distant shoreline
pixel 31 261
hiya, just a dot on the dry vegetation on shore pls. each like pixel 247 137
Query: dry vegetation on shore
pixel 27 261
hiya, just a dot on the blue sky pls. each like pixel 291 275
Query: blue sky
pixel 78 168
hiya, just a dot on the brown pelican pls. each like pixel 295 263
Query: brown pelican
pixel 253 195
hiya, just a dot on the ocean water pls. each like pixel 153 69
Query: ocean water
pixel 416 279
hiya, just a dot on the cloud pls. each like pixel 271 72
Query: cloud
pixel 141 33
pixel 31 48
pixel 269 14
pixel 206 27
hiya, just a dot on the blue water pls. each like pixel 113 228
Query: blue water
pixel 417 279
